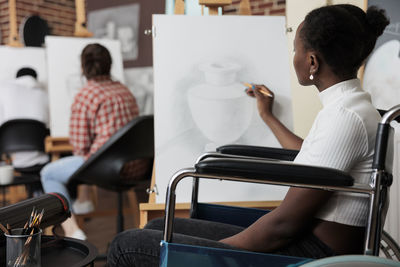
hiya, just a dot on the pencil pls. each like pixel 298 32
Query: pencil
pixel 262 90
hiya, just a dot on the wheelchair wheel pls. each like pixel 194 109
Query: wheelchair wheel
pixel 389 248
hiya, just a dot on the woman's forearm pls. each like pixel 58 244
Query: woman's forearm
pixel 280 226
pixel 262 236
pixel 286 138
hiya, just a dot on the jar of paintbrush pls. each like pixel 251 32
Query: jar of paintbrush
pixel 23 244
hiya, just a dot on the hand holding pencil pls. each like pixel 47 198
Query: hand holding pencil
pixel 264 96
pixel 260 88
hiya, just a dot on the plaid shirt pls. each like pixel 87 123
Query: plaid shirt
pixel 100 109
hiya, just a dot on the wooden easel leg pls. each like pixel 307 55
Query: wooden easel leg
pixel 244 7
pixel 213 10
pixel 179 7
pixel 134 205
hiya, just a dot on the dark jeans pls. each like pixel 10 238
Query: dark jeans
pixel 142 247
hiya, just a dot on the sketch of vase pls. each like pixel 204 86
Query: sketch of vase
pixel 219 107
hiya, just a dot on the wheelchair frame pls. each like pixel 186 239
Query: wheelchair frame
pixel 377 189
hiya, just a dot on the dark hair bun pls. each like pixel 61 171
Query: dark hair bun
pixel 96 61
pixel 344 35
pixel 377 20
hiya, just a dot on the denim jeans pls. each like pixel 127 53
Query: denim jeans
pixel 141 247
pixel 56 174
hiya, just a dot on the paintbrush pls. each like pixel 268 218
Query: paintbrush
pixel 4 229
pixel 29 228
pixel 261 90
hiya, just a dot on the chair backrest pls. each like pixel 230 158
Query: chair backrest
pixel 22 135
pixel 133 141
pixel 381 177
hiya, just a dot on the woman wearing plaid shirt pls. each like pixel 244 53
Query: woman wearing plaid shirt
pixel 99 109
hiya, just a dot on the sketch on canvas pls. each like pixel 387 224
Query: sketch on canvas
pixel 135 17
pixel 120 23
pixel 14 58
pixel 200 63
pixel 140 83
pixel 65 78
pixel 381 75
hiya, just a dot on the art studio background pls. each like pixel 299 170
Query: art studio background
pixel 125 22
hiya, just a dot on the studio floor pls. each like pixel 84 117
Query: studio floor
pixel 101 230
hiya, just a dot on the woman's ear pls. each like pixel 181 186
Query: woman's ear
pixel 314 63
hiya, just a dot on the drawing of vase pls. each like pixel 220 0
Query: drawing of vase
pixel 220 108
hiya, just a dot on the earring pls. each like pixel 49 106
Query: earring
pixel 311 77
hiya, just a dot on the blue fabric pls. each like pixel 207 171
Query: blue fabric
pixel 178 255
pixel 239 216
pixel 56 174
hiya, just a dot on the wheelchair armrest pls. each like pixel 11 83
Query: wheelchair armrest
pixel 259 152
pixel 275 171
pixel 260 171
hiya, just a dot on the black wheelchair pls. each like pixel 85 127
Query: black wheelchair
pixel 274 166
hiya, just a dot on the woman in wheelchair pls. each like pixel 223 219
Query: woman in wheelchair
pixel 330 46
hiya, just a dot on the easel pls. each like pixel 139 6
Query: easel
pixel 213 6
pixel 59 145
pixel 14 37
pixel 80 24
pixel 152 209
pixel 15 193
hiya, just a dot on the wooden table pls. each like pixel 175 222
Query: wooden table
pixel 57 146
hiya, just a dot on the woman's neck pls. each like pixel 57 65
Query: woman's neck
pixel 100 78
pixel 326 81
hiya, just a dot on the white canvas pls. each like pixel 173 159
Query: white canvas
pixel 118 23
pixel 65 78
pixel 14 58
pixel 381 75
pixel 192 116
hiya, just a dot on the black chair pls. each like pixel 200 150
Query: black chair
pixel 273 166
pixel 24 135
pixel 132 142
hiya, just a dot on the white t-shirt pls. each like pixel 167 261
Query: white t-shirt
pixel 23 98
pixel 343 137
